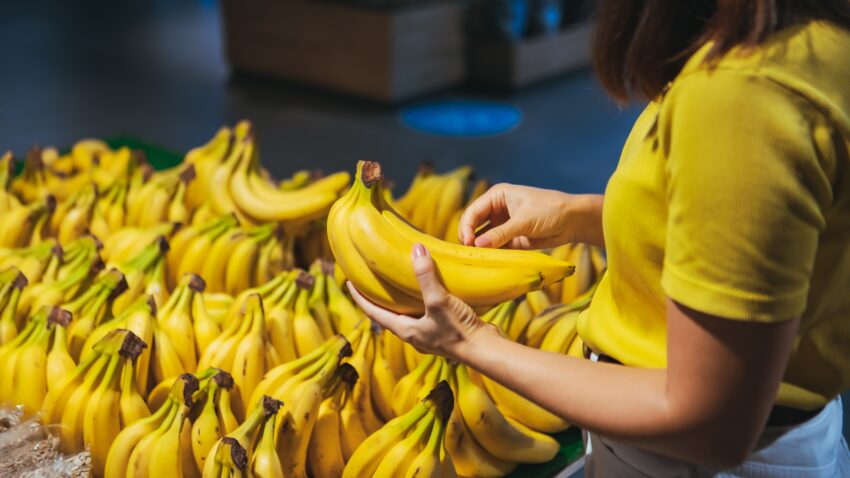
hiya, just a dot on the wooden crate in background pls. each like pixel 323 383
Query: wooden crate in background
pixel 515 64
pixel 386 55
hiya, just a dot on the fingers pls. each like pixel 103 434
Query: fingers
pixel 433 292
pixel 476 214
pixel 400 325
pixel 499 235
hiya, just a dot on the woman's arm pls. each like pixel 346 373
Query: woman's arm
pixel 709 406
pixel 522 217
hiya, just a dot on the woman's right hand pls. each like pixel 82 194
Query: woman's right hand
pixel 522 217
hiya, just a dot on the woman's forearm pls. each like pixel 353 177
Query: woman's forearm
pixel 585 215
pixel 630 405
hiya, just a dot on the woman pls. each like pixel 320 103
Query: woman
pixel 721 332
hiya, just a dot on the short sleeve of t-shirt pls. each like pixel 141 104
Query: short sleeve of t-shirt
pixel 746 190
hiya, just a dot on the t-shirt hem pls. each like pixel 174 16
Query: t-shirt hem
pixel 708 299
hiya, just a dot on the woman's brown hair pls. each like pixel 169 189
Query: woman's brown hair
pixel 641 45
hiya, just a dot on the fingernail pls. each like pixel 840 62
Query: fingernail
pixel 483 241
pixel 419 250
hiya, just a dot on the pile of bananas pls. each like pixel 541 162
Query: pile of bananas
pixel 434 202
pixel 161 320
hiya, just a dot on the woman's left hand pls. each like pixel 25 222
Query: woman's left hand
pixel 449 325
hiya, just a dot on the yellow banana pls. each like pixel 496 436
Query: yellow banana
pixel 496 433
pixel 500 274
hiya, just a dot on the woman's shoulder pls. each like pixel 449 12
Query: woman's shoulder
pixel 810 61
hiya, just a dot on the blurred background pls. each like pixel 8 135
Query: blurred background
pixel 503 85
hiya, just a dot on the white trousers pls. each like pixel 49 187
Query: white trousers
pixel 813 449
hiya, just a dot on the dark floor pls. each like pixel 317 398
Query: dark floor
pixel 155 70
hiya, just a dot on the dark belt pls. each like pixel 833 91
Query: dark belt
pixel 780 415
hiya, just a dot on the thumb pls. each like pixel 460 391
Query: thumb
pixel 499 235
pixel 433 292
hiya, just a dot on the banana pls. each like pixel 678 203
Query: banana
pixel 205 326
pixel 13 282
pixel 279 321
pixel 367 459
pixel 343 314
pixel 560 335
pixel 325 457
pixel 500 274
pixel 433 461
pixel 176 321
pixel 204 158
pixel 401 455
pixel 503 438
pixel 295 427
pixel 318 299
pixel 394 348
pixel 308 335
pixel 139 459
pixel 362 360
pixel 408 387
pixel 102 417
pixel 383 380
pixel 264 460
pixel 249 361
pixel 237 446
pixel 60 364
pixel 355 267
pixel 219 255
pixel 263 202
pixel 241 267
pixel 210 424
pixel 121 448
pixel 469 458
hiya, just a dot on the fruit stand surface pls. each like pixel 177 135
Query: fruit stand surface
pixel 572 447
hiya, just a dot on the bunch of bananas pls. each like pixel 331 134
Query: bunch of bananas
pixel 8 201
pixel 411 445
pixel 161 199
pixel 231 258
pixel 434 202
pixel 231 160
pixel 98 398
pixel 372 245
pixel 125 291
pixel 590 266
pixel 36 360
pixel 12 281
pixel 159 444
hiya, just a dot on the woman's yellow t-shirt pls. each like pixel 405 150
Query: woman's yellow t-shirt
pixel 732 197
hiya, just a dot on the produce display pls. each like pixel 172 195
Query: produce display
pixel 194 321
